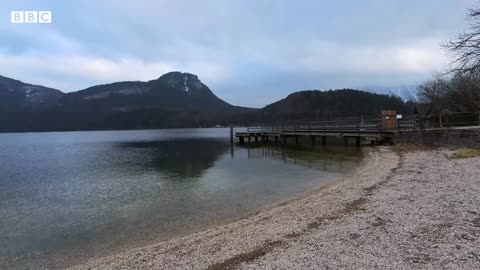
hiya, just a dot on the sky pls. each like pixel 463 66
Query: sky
pixel 248 52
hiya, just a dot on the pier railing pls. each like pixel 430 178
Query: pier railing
pixel 450 120
pixel 356 124
pixel 368 124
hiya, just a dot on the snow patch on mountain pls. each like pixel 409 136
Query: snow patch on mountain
pixel 405 92
pixel 185 84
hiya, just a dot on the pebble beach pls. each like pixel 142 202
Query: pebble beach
pixel 413 208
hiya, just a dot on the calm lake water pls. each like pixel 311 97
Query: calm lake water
pixel 68 196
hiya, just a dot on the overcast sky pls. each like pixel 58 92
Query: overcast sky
pixel 249 53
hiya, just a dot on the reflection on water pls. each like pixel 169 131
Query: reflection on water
pixel 182 159
pixel 66 197
pixel 333 158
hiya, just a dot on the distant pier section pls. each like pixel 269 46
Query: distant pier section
pixel 358 130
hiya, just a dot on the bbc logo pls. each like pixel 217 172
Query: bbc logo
pixel 30 16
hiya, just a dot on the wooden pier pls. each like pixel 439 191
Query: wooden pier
pixel 361 129
pixel 355 129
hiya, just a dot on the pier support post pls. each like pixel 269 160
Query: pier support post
pixel 249 139
pixel 313 141
pixel 231 134
pixel 324 140
pixel 284 139
pixel 256 138
pixel 345 140
pixel 296 140
pixel 357 141
pixel 276 139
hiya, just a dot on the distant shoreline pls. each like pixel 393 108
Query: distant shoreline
pixel 103 130
pixel 366 220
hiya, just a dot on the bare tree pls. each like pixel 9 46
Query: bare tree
pixel 459 89
pixel 466 48
pixel 464 91
pixel 459 92
pixel 435 92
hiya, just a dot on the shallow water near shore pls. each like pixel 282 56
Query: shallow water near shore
pixel 69 196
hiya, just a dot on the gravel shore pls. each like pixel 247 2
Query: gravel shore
pixel 400 210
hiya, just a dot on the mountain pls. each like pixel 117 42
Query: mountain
pixel 17 95
pixel 173 100
pixel 170 91
pixel 332 104
pixel 406 92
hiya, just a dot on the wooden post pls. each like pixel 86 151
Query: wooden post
pixel 357 141
pixel 296 140
pixel 345 140
pixel 284 139
pixel 440 120
pixel 231 134
pixel 313 141
pixel 324 140
pixel 276 139
pixel 256 138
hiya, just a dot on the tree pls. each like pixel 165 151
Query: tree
pixel 459 89
pixel 466 48
pixel 464 91
pixel 435 92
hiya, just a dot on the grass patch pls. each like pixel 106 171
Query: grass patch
pixel 466 153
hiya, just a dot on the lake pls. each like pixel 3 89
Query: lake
pixel 69 196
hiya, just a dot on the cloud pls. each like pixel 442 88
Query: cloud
pixel 93 69
pixel 239 48
pixel 418 57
